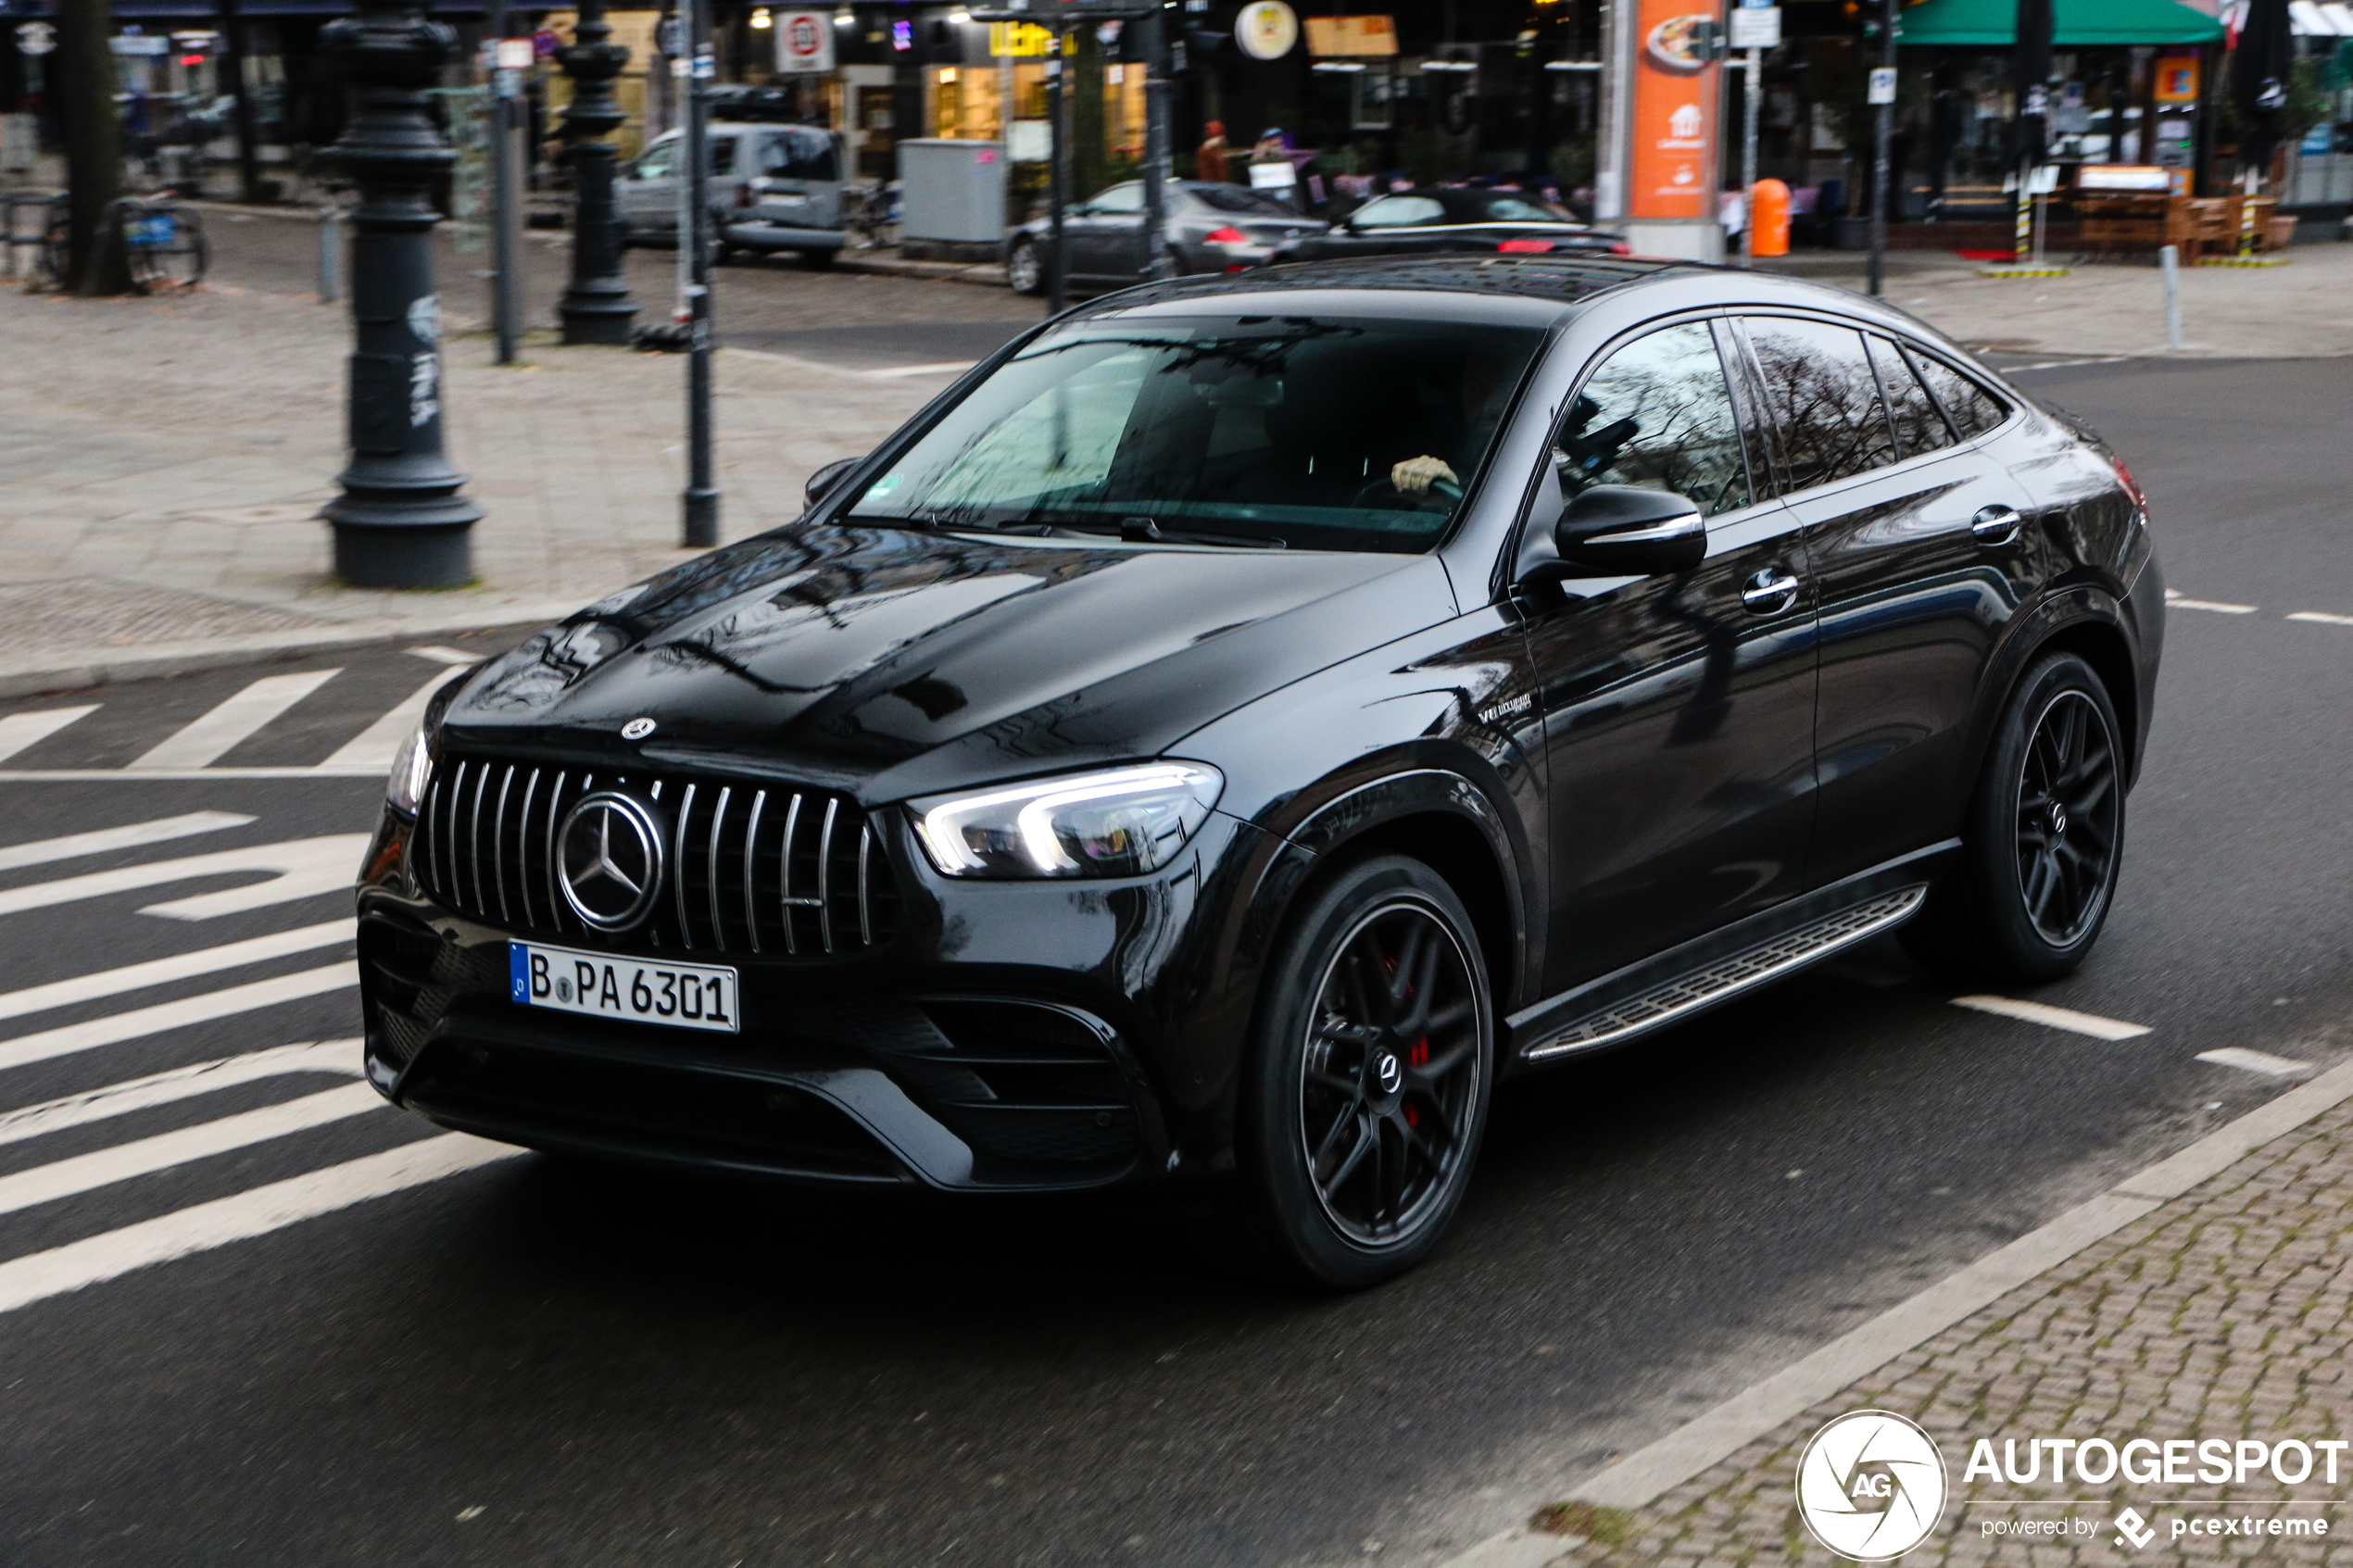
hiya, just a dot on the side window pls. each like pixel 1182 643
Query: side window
pixel 1972 409
pixel 722 153
pixel 799 154
pixel 1919 426
pixel 1398 212
pixel 1820 392
pixel 1658 415
pixel 660 159
pixel 1119 200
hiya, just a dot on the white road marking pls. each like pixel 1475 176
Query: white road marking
pixel 959 366
pixel 374 747
pixel 40 1275
pixel 2216 607
pixel 18 731
pixel 142 1156
pixel 2056 1018
pixel 447 656
pixel 41 851
pixel 2322 616
pixel 2257 1061
pixel 166 775
pixel 339 1057
pixel 68 1039
pixel 208 738
pixel 304 867
pixel 180 966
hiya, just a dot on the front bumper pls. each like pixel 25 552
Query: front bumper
pixel 1029 1036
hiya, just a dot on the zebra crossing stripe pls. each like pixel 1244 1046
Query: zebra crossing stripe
pixel 41 851
pixel 372 748
pixel 180 966
pixel 207 738
pixel 340 1057
pixel 18 731
pixel 68 1039
pixel 257 1211
pixel 119 1163
pixel 304 866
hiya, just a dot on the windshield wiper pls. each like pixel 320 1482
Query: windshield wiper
pixel 1146 531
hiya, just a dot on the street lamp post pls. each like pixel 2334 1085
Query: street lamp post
pixel 596 306
pixel 401 522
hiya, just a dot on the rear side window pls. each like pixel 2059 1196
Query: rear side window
pixel 1822 396
pixel 1233 198
pixel 798 155
pixel 1919 426
pixel 1398 212
pixel 1119 199
pixel 1658 415
pixel 1972 409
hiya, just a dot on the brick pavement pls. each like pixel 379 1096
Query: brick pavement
pixel 2227 1312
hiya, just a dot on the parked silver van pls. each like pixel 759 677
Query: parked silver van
pixel 771 188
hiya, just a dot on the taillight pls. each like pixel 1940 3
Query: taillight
pixel 2132 485
pixel 1621 248
pixel 1228 235
pixel 1510 246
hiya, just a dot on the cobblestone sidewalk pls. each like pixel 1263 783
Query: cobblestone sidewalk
pixel 2226 1313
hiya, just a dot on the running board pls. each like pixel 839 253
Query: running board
pixel 1727 977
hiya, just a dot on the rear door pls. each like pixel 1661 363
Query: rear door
pixel 799 170
pixel 1679 710
pixel 1108 240
pixel 1914 588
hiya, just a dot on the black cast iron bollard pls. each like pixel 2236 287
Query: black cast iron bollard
pixel 400 522
pixel 596 306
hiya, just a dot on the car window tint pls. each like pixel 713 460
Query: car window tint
pixel 722 153
pixel 799 154
pixel 1657 414
pixel 1118 199
pixel 1972 409
pixel 1398 212
pixel 659 160
pixel 1820 392
pixel 1919 426
pixel 1233 198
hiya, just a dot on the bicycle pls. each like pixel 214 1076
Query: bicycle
pixel 163 242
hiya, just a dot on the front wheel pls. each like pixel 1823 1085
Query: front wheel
pixel 1365 1092
pixel 1024 269
pixel 2044 836
pixel 817 260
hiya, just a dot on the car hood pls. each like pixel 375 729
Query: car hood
pixel 890 662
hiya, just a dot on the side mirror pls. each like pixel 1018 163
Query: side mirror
pixel 821 484
pixel 1620 531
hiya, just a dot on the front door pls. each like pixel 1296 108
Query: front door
pixel 1107 242
pixel 1918 575
pixel 1679 710
pixel 647 193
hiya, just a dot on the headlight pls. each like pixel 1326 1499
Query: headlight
pixel 1124 822
pixel 412 767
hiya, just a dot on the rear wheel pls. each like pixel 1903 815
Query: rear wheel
pixel 817 260
pixel 2045 838
pixel 1366 1088
pixel 1024 269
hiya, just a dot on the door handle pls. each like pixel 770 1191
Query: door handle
pixel 1771 591
pixel 1997 526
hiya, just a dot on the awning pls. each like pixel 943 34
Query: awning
pixel 1992 24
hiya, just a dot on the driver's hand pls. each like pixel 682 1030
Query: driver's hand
pixel 1415 475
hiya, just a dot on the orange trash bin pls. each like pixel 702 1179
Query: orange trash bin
pixel 1768 218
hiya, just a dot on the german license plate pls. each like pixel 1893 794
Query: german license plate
pixel 682 996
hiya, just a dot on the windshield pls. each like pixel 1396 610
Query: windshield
pixel 1314 432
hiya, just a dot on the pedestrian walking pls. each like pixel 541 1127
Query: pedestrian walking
pixel 1209 158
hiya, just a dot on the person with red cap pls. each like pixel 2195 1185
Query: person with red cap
pixel 1209 158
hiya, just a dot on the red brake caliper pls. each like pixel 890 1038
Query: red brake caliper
pixel 1417 1057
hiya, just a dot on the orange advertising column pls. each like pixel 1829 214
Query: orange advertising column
pixel 1768 212
pixel 1673 165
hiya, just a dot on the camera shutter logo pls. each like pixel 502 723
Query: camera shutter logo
pixel 1870 1485
pixel 609 861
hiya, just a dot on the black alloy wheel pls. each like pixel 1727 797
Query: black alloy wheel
pixel 2044 838
pixel 1370 1077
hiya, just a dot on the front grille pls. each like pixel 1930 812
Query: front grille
pixel 777 870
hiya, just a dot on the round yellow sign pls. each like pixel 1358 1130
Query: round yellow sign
pixel 1267 29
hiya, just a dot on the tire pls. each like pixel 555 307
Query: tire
pixel 816 260
pixel 1363 1105
pixel 2043 840
pixel 1024 269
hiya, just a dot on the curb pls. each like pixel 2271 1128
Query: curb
pixel 1642 1477
pixel 79 670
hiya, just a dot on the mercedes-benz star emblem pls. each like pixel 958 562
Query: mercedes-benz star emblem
pixel 608 860
pixel 637 728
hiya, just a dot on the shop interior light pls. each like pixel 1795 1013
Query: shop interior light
pixel 1349 68
pixel 1465 65
pixel 761 18
pixel 960 18
pixel 1572 65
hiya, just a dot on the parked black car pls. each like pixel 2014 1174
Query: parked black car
pixel 1445 219
pixel 1246 720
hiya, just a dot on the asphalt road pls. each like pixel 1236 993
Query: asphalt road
pixel 524 1364
pixel 776 304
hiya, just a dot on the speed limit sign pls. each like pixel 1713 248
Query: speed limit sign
pixel 805 41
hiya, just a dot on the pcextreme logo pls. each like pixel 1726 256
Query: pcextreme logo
pixel 1870 1485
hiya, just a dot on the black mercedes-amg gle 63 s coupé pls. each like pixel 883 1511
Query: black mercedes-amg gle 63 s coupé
pixel 1241 724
